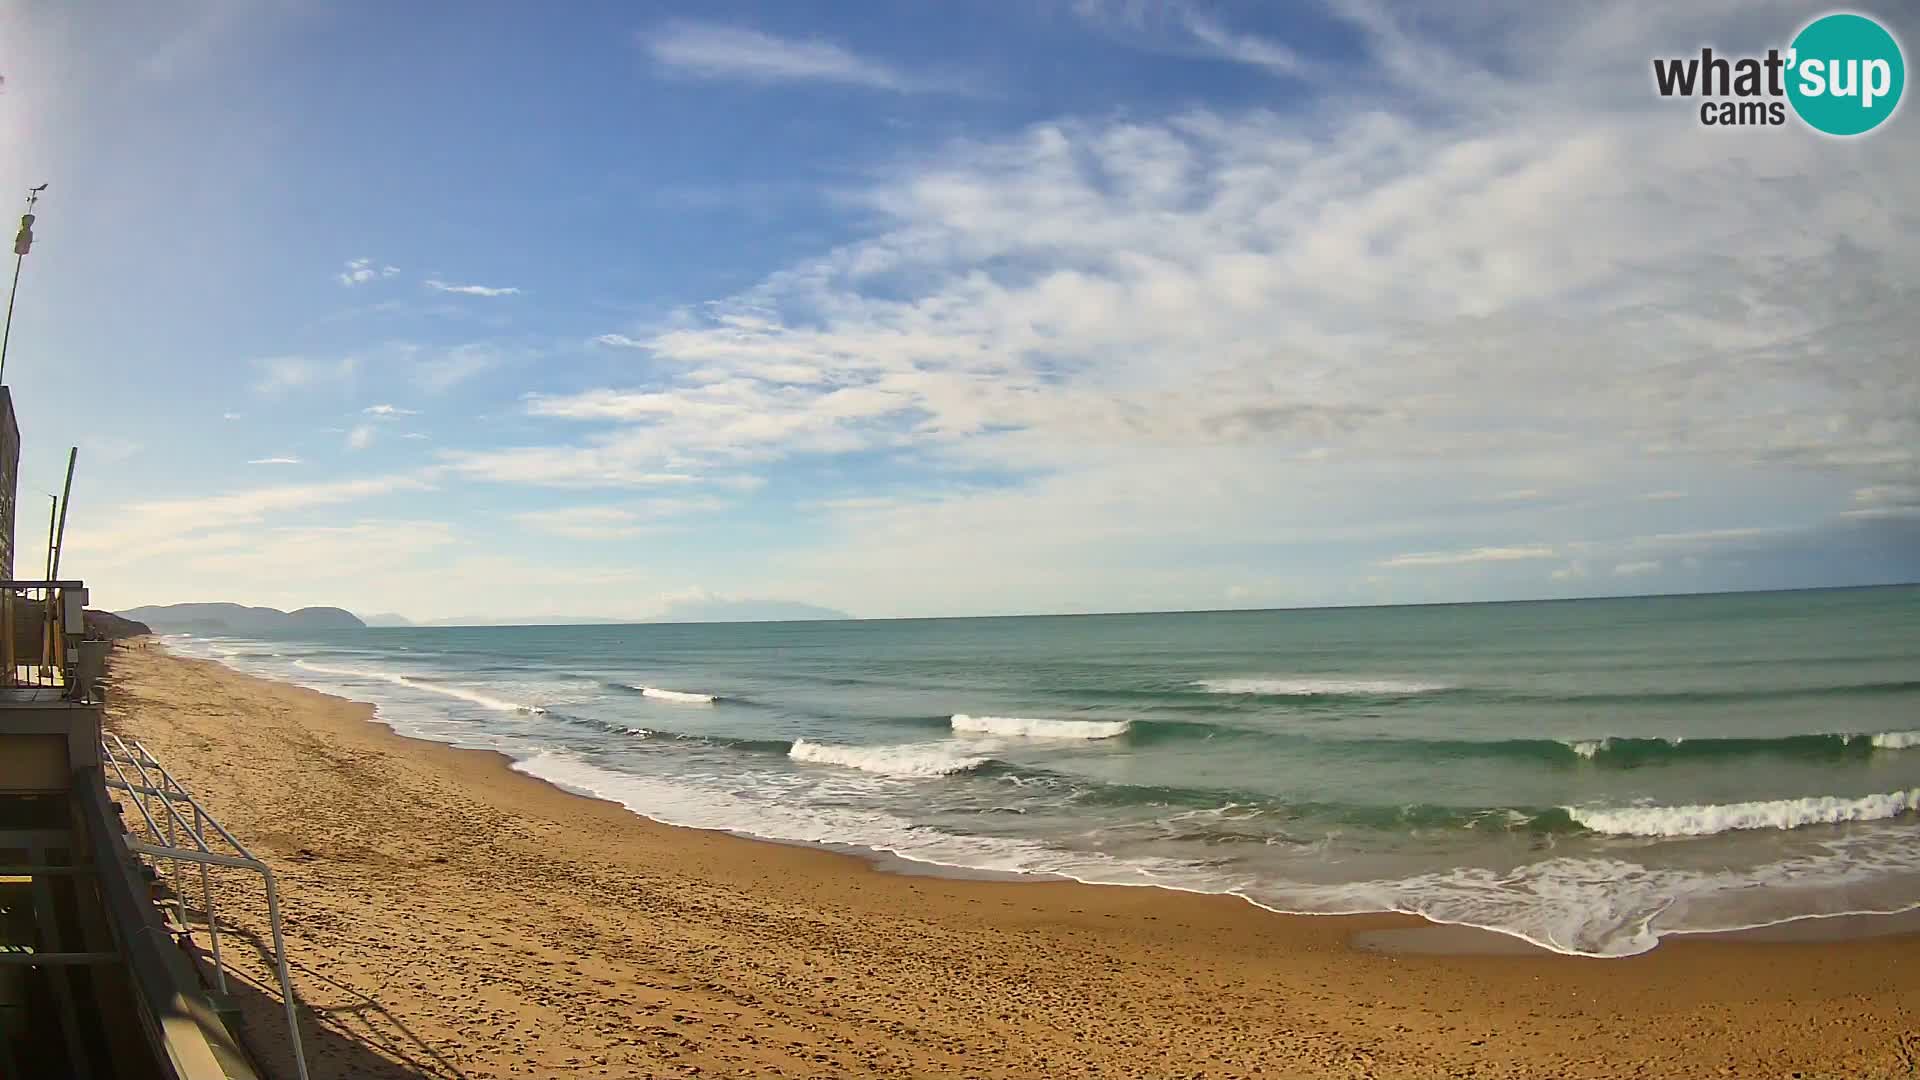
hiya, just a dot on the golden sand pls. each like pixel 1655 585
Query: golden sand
pixel 448 917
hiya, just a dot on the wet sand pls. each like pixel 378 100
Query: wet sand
pixel 448 917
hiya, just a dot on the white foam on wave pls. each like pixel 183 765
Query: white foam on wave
pixel 718 803
pixel 1586 748
pixel 486 701
pixel 1895 740
pixel 1707 820
pixel 1610 907
pixel 677 696
pixel 1314 687
pixel 1032 728
pixel 910 761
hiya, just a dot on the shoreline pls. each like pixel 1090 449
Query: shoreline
pixel 1234 989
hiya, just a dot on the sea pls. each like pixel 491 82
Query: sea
pixel 1588 775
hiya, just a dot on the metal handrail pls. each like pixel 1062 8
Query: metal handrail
pixel 170 791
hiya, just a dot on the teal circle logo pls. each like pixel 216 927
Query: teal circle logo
pixel 1845 74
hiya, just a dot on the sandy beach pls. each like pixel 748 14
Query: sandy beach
pixel 448 917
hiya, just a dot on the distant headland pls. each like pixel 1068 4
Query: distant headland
pixel 238 619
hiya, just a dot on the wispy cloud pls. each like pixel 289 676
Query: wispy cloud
pixel 1721 536
pixel 1475 555
pixel 619 341
pixel 437 373
pixel 472 290
pixel 389 411
pixel 1637 569
pixel 616 522
pixel 1183 28
pixel 174 517
pixel 275 461
pixel 712 51
pixel 361 271
pixel 229 416
pixel 280 374
pixel 360 437
pixel 1246 48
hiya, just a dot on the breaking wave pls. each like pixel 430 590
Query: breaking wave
pixel 1313 687
pixel 681 697
pixel 908 761
pixel 485 701
pixel 1706 820
pixel 1028 727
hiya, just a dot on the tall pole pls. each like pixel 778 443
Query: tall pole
pixel 66 497
pixel 7 336
pixel 52 512
pixel 22 243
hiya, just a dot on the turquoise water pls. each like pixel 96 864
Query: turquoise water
pixel 1589 775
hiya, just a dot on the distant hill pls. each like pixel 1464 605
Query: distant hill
pixel 105 625
pixel 387 618
pixel 235 619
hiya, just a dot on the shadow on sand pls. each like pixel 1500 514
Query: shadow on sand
pixel 349 1034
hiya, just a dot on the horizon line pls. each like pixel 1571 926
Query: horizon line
pixel 600 620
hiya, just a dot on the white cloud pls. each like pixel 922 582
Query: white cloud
pixel 1664 496
pixel 619 341
pixel 472 290
pixel 1475 555
pixel 1248 48
pixel 1573 571
pixel 361 271
pixel 389 411
pixel 710 51
pixel 562 467
pixel 229 416
pixel 360 437
pixel 275 461
pixel 415 435
pixel 1720 536
pixel 615 522
pixel 1182 28
pixel 140 524
pixel 1887 494
pixel 281 374
pixel 438 373
pixel 1637 569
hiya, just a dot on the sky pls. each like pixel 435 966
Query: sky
pixel 947 308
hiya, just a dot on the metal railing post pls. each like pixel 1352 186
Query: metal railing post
pixel 206 903
pixel 280 956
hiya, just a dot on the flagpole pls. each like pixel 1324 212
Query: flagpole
pixel 22 243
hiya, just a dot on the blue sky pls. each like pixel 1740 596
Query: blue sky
pixel 930 308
